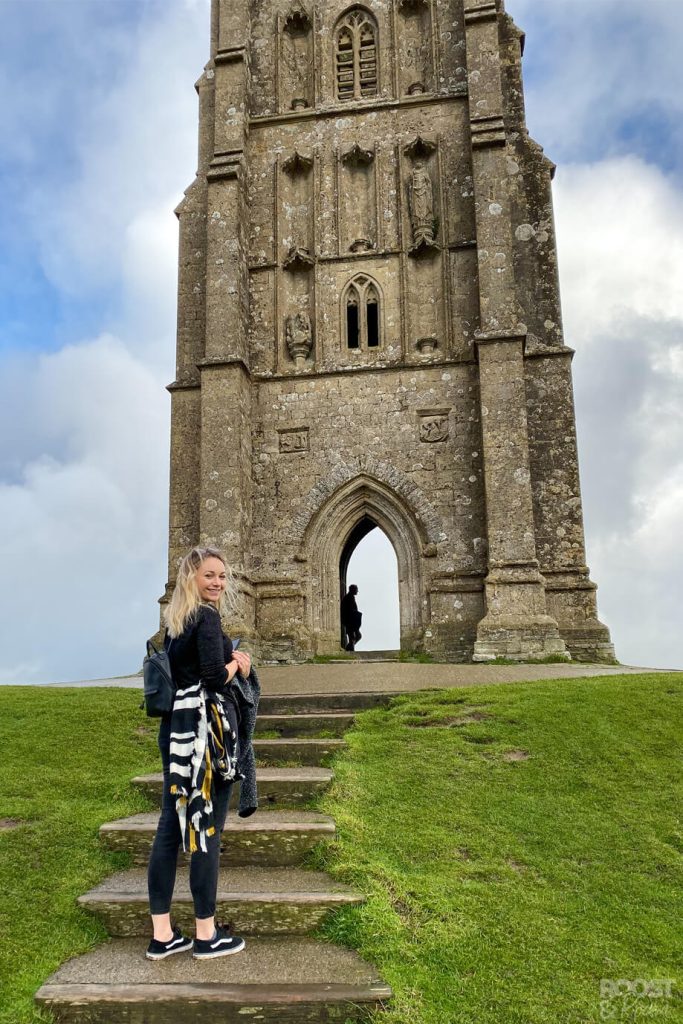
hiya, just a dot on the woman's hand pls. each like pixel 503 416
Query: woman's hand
pixel 243 663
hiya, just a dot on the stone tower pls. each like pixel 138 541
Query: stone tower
pixel 369 332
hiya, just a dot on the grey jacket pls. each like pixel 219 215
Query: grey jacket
pixel 247 692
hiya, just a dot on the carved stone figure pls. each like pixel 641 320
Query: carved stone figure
pixel 421 201
pixel 434 428
pixel 299 334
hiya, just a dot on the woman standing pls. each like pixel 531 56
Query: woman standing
pixel 203 665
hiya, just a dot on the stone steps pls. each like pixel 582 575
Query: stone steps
pixel 277 787
pixel 273 838
pixel 283 976
pixel 319 703
pixel 333 723
pixel 297 751
pixel 256 901
pixel 274 980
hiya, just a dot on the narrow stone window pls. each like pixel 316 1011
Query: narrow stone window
pixel 356 56
pixel 352 319
pixel 361 309
pixel 372 316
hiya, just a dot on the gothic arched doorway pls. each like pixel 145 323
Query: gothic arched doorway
pixel 368 558
pixel 332 534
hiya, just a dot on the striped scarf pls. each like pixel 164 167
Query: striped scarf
pixel 203 743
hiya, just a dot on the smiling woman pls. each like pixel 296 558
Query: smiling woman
pixel 196 791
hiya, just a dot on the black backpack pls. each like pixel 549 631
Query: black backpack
pixel 159 688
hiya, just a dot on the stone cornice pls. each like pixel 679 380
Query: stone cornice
pixel 488 131
pixel 486 11
pixel 360 107
pixel 230 55
pixel 226 165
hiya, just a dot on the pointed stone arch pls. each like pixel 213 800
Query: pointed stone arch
pixel 326 537
pixel 429 523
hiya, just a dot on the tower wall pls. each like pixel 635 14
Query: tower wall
pixel 369 328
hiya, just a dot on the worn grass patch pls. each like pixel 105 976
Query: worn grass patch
pixel 68 756
pixel 512 863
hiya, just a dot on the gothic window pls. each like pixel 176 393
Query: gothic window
pixel 356 56
pixel 361 314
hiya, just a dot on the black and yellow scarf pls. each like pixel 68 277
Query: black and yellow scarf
pixel 203 743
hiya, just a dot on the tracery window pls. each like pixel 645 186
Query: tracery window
pixel 356 56
pixel 361 313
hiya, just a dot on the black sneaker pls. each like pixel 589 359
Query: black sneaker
pixel 177 944
pixel 222 944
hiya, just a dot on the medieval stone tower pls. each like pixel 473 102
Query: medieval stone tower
pixel 369 332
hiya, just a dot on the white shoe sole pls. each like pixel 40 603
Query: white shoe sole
pixel 219 952
pixel 170 952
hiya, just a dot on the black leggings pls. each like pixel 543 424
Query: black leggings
pixel 167 841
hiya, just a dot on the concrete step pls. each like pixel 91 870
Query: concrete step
pixel 277 787
pixel 333 723
pixel 273 838
pixel 318 703
pixel 296 751
pixel 275 981
pixel 256 901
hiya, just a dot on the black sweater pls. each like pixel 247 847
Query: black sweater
pixel 200 652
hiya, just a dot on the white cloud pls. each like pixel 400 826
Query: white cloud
pixel 604 78
pixel 84 532
pixel 84 449
pixel 620 236
pixel 620 239
pixel 135 153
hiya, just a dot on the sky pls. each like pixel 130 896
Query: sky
pixel 97 143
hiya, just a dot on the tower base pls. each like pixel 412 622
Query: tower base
pixel 519 639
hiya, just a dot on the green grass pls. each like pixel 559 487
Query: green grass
pixel 68 756
pixel 498 892
pixel 504 891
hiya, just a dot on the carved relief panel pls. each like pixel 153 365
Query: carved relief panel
pixel 433 425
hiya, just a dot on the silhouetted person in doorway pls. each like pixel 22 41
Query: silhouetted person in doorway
pixel 351 618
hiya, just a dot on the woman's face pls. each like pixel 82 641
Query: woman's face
pixel 211 579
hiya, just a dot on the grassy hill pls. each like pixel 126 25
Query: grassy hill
pixel 519 844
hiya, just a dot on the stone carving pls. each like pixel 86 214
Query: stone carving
pixel 427 345
pixel 298 21
pixel 421 204
pixel 293 440
pixel 421 196
pixel 362 245
pixel 299 335
pixel 420 148
pixel 298 258
pixel 434 427
pixel 357 156
pixel 297 163
pixel 411 6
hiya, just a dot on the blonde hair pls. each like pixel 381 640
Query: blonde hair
pixel 185 599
